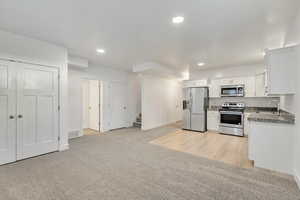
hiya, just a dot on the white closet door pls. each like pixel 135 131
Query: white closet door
pixel 94 105
pixel 7 113
pixel 119 105
pixel 37 110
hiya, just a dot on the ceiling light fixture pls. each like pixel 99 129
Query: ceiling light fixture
pixel 100 51
pixel 177 20
pixel 200 64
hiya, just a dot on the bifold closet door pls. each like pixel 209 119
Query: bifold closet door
pixel 37 110
pixel 7 113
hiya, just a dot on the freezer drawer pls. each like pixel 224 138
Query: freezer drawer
pixel 198 122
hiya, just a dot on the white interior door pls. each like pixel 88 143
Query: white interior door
pixel 37 110
pixel 7 113
pixel 94 105
pixel 119 105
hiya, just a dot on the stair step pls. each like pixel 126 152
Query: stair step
pixel 137 124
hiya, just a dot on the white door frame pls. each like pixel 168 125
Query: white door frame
pixel 61 97
pixel 100 102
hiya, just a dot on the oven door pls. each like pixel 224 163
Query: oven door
pixel 234 119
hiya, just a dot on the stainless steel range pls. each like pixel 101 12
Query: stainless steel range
pixel 232 119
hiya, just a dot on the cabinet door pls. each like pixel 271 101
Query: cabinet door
pixel 260 87
pixel 37 109
pixel 7 113
pixel 213 120
pixel 281 68
pixel 214 89
pixel 246 124
pixel 239 81
pixel 249 83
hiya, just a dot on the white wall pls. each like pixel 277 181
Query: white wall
pixel 85 103
pixel 26 49
pixel 106 75
pixel 235 71
pixel 297 129
pixel 292 102
pixel 161 102
pixel 75 91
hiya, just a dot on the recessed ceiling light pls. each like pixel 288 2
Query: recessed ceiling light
pixel 200 64
pixel 101 51
pixel 178 19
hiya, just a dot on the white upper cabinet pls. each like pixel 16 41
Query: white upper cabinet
pixel 260 85
pixel 281 68
pixel 215 88
pixel 249 83
pixel 195 83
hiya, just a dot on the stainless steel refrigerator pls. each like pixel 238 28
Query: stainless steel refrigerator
pixel 195 104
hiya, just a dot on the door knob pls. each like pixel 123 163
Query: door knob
pixel 20 116
pixel 11 117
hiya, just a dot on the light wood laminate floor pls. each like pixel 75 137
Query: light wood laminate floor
pixel 228 149
pixel 89 131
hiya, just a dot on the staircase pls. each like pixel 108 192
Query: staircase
pixel 138 122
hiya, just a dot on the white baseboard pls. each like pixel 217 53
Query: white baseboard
pixel 297 179
pixel 63 147
pixel 75 134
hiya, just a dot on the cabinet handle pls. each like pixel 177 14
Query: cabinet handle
pixel 11 117
pixel 20 116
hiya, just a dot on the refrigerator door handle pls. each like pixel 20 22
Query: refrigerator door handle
pixel 184 104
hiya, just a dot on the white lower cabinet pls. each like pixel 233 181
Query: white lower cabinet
pixel 29 111
pixel 270 146
pixel 246 124
pixel 213 120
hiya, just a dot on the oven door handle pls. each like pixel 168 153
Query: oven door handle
pixel 231 113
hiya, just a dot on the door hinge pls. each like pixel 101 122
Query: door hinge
pixel 58 138
pixel 58 76
pixel 58 108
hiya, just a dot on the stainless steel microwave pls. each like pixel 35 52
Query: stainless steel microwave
pixel 232 91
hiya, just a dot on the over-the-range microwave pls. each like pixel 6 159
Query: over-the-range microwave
pixel 232 91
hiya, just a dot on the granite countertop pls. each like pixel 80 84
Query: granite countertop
pixel 268 115
pixel 247 109
pixel 284 118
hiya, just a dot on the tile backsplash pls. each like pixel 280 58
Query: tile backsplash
pixel 266 102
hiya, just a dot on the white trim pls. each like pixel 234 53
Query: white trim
pixel 64 147
pixel 297 179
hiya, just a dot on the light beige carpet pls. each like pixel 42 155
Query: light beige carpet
pixel 124 165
